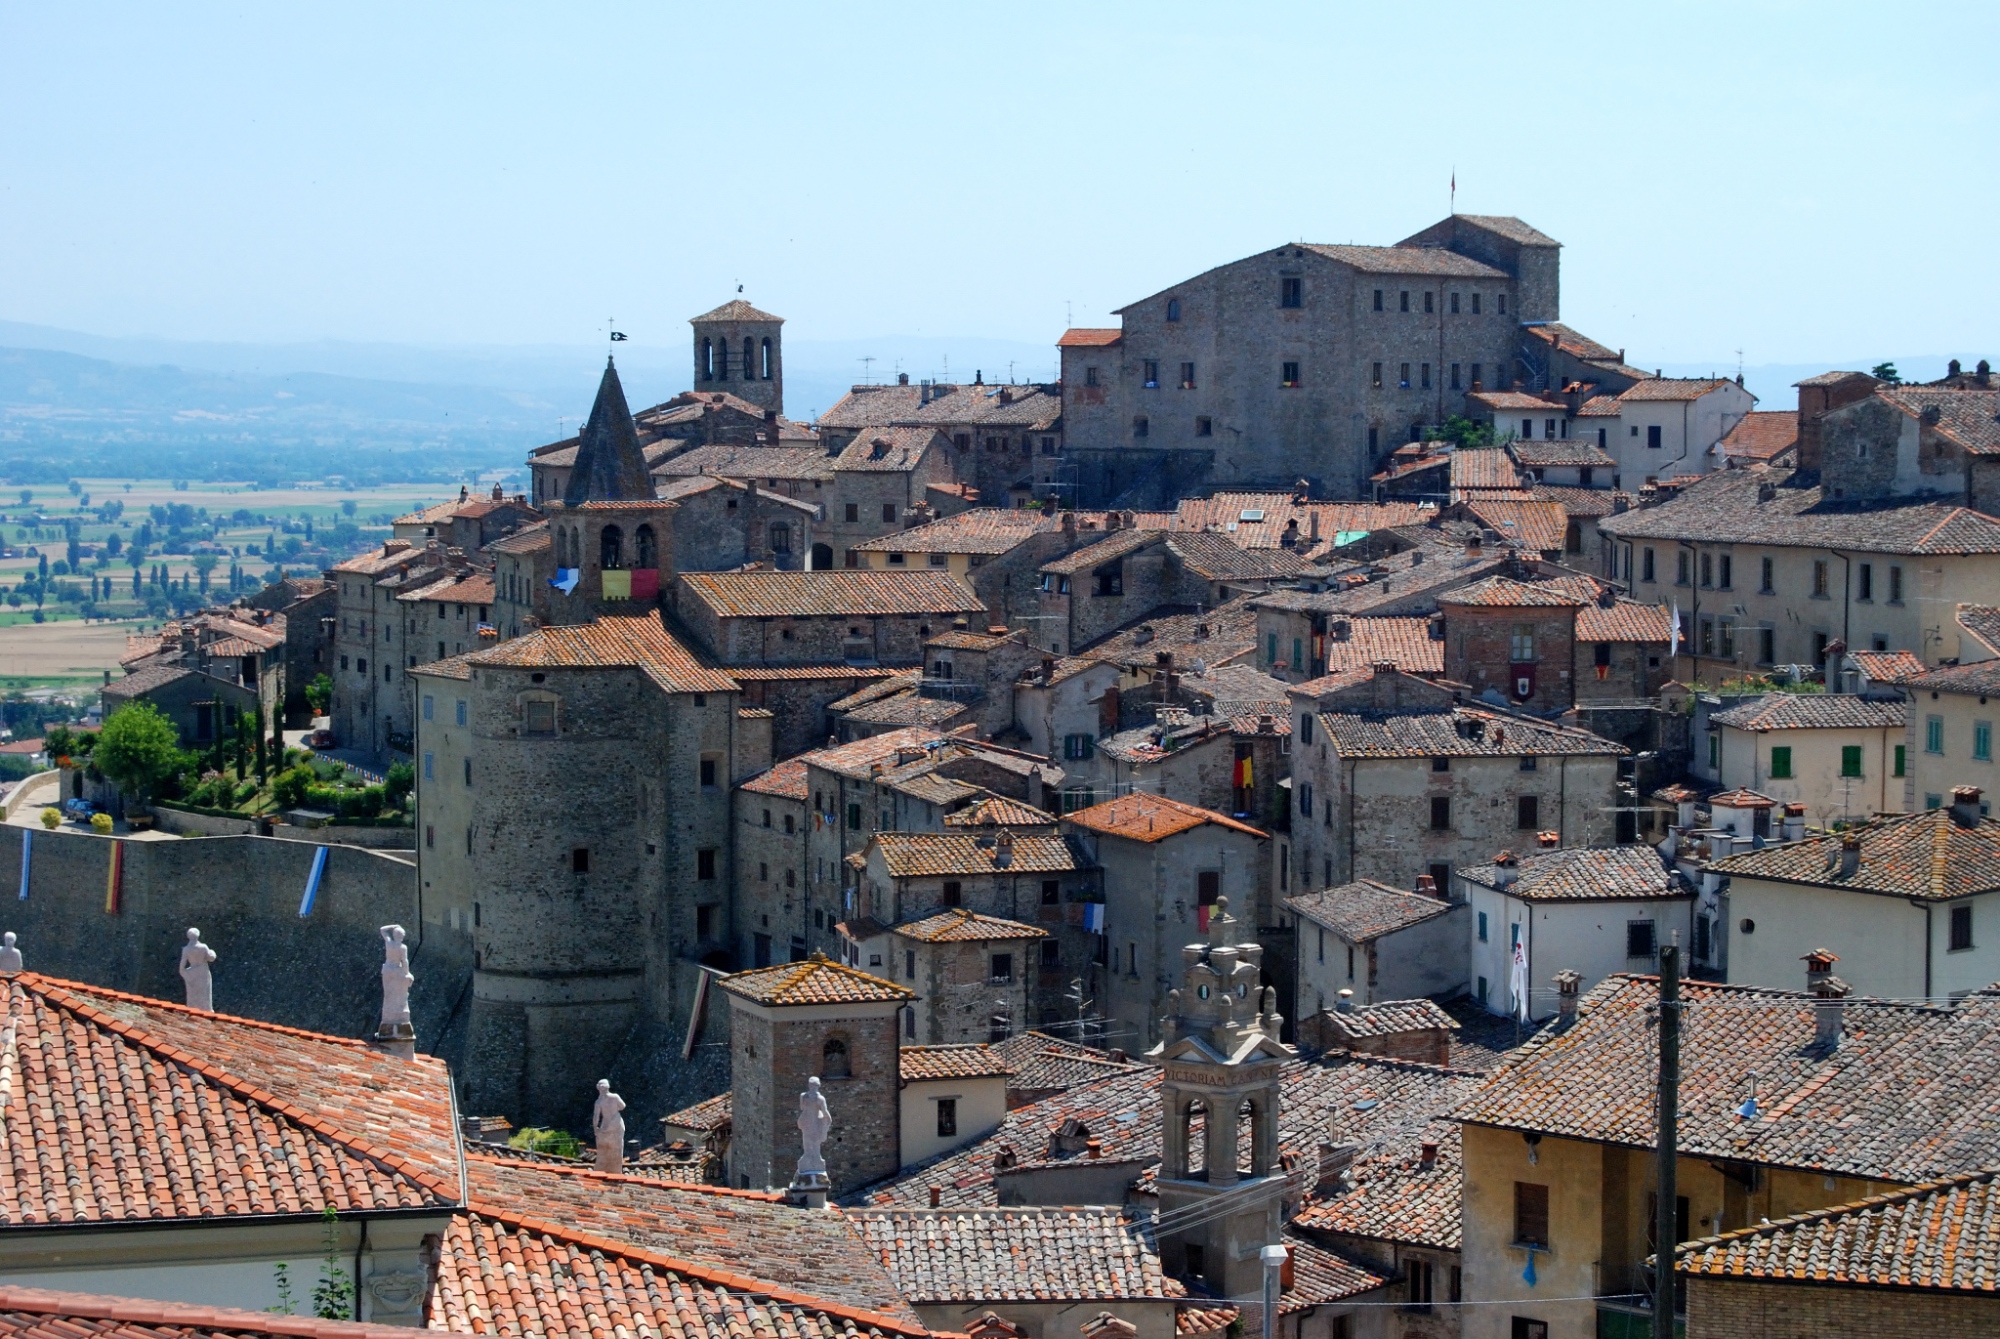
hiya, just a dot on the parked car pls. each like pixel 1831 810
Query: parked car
pixel 79 811
pixel 320 739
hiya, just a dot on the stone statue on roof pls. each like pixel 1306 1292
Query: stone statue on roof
pixel 396 980
pixel 815 1123
pixel 196 958
pixel 10 956
pixel 607 1124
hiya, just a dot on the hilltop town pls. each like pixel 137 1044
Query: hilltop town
pixel 1213 841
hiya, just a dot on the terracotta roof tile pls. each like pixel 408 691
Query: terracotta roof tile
pixel 1586 874
pixel 637 641
pixel 1262 520
pixel 968 1060
pixel 1086 337
pixel 1365 910
pixel 1043 1064
pixel 983 530
pixel 1983 622
pixel 1406 641
pixel 1625 621
pixel 1389 1017
pixel 1729 503
pixel 1002 811
pixel 1941 1236
pixel 1483 469
pixel 1523 521
pixel 1761 436
pixel 817 980
pixel 839 594
pixel 1559 454
pixel 1506 593
pixel 914 855
pixel 1965 417
pixel 955 925
pixel 712 1114
pixel 1458 732
pixel 1591 502
pixel 1151 818
pixel 1218 558
pixel 39 1313
pixel 897 448
pixel 1674 388
pixel 1926 856
pixel 1016 1254
pixel 787 779
pixel 769 463
pixel 1814 711
pixel 1888 666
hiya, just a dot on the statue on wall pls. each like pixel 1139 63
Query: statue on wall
pixel 396 981
pixel 195 960
pixel 10 956
pixel 815 1123
pixel 607 1123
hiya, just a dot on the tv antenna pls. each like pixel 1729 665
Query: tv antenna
pixel 867 369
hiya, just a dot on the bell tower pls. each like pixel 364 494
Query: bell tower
pixel 1220 1059
pixel 740 350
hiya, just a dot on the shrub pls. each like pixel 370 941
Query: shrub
pixel 291 786
pixel 325 798
pixel 400 781
pixel 539 1139
pixel 101 824
pixel 51 817
pixel 363 803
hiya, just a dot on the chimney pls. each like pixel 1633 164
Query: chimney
pixel 1827 991
pixel 1116 1055
pixel 1346 1003
pixel 1093 1147
pixel 1620 504
pixel 903 379
pixel 1850 854
pixel 1965 806
pixel 1472 551
pixel 1048 668
pixel 937 1192
pixel 1569 984
pixel 1342 629
pixel 1069 523
pixel 1548 840
pixel 1417 558
pixel 1266 725
pixel 1794 823
pixel 1506 869
pixel 1427 1153
pixel 1426 886
pixel 1003 848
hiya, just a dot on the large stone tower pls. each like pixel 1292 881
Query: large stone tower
pixel 1221 1060
pixel 740 349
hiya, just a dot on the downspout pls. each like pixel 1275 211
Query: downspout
pixel 1927 946
pixel 1846 596
pixel 360 1248
pixel 1349 878
pixel 1694 616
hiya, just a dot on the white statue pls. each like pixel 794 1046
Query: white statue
pixel 609 1127
pixel 10 957
pixel 396 980
pixel 195 958
pixel 815 1121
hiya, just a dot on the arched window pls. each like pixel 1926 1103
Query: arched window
pixel 646 551
pixel 822 556
pixel 707 361
pixel 1173 309
pixel 722 360
pixel 781 537
pixel 767 358
pixel 833 1059
pixel 611 548
pixel 749 358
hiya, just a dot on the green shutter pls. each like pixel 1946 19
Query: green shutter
pixel 1901 762
pixel 1850 760
pixel 1781 763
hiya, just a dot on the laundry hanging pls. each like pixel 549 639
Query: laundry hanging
pixel 616 583
pixel 565 579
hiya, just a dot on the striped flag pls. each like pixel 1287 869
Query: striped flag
pixel 114 881
pixel 312 882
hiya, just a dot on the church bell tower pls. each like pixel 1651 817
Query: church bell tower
pixel 1221 1062
pixel 740 350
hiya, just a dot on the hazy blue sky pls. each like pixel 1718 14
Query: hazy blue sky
pixel 1802 181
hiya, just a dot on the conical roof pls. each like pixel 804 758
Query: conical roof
pixel 735 310
pixel 610 467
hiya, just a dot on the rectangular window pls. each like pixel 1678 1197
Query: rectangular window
pixel 1476 367
pixel 1454 377
pixel 704 862
pixel 1527 812
pixel 1149 373
pixel 1525 1328
pixel 1418 1283
pixel 1653 436
pixel 708 774
pixel 1426 370
pixel 1440 813
pixel 430 772
pixel 1646 565
pixel 430 836
pixel 1895 585
pixel 1204 427
pixel 854 511
pixel 1441 880
pixel 1681 567
pixel 1475 312
pixel 1291 292
pixel 1902 760
pixel 1482 927
pixel 704 922
pixel 947 1122
pixel 1079 746
pixel 1288 374
pixel 1002 970
pixel 1819 578
pixel 1765 573
pixel 579 860
pixel 954 892
pixel 1374 379
pixel 427 706
pixel 1403 375
pixel 1270 648
pixel 1531 1214
pixel 1767 646
pixel 1502 299
pixel 1864 581
pixel 1933 734
pixel 1850 760
pixel 1961 928
pixel 854 816
pixel 1454 304
pixel 1051 955
pixel 1725 639
pixel 459 715
pixel 888 511
pixel 1051 892
pixel 1982 741
pixel 1725 571
pixel 1187 376
pixel 1378 299
pixel 1714 752
pixel 1429 303
pixel 1781 762
pixel 1403 300
pixel 1521 643
pixel 468 771
pixel 1638 939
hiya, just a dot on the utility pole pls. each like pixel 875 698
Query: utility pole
pixel 1666 1219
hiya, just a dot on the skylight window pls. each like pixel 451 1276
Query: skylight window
pixel 1252 514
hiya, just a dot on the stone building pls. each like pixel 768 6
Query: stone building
pixel 1393 792
pixel 1369 943
pixel 369 648
pixel 772 822
pixel 976 977
pixel 1546 646
pixel 1166 866
pixel 997 552
pixel 1307 360
pixel 1006 440
pixel 739 349
pixel 1669 427
pixel 468 524
pixel 813 1019
pixel 1096 589
pixel 204 708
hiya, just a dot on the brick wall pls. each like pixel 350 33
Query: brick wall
pixel 1725 1309
pixel 770 876
pixel 773 1052
pixel 1479 652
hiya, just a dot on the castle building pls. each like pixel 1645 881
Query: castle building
pixel 1305 361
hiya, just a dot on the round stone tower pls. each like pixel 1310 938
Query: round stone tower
pixel 740 349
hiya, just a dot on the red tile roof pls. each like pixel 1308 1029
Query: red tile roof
pixel 817 980
pixel 915 855
pixel 1675 388
pixel 1943 1236
pixel 1460 732
pixel 1016 1254
pixel 123 1108
pixel 1506 593
pixel 787 779
pixel 1043 1063
pixel 1814 711
pixel 1625 621
pixel 1406 641
pixel 635 641
pixel 1086 337
pixel 967 1060
pixel 39 1313
pixel 1151 818
pixel 1522 520
pixel 1761 435
pixel 1926 857
pixel 955 925
pixel 1261 520
pixel 1729 502
pixel 1586 874
pixel 1887 666
pixel 1965 417
pixel 1365 910
pixel 841 594
pixel 1489 468
pixel 1002 811
pixel 986 530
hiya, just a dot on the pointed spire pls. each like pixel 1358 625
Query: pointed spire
pixel 610 467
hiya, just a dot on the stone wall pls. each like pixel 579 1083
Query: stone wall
pixel 321 972
pixel 1726 1309
pixel 773 1053
pixel 1478 652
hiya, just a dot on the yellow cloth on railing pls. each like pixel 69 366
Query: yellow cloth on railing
pixel 617 584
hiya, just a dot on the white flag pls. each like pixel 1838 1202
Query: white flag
pixel 1518 982
pixel 1674 634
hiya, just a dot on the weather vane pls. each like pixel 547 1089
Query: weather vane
pixel 611 324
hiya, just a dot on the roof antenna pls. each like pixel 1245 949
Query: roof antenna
pixel 1453 211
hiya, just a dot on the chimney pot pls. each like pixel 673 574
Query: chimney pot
pixel 1426 886
pixel 1116 1055
pixel 1428 1153
pixel 1345 1004
pixel 1506 869
pixel 1850 854
pixel 1549 840
pixel 1093 1147
pixel 1965 806
pixel 1569 984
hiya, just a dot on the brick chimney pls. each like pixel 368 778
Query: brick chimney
pixel 1548 840
pixel 1569 985
pixel 1850 854
pixel 1965 806
pixel 1426 886
pixel 1506 869
pixel 1827 991
pixel 1342 629
pixel 1794 823
pixel 1003 848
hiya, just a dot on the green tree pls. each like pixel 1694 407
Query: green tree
pixel 27 497
pixel 204 563
pixel 398 782
pixel 138 749
pixel 289 790
pixel 1466 434
pixel 319 694
pixel 1886 372
pixel 347 506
